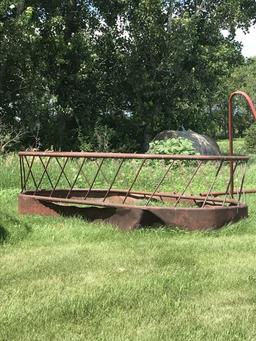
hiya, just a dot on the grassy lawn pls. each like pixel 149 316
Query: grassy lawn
pixel 238 144
pixel 66 279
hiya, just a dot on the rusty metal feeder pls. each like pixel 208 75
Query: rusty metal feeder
pixel 80 184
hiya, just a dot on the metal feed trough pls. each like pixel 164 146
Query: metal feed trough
pixel 193 192
pixel 112 186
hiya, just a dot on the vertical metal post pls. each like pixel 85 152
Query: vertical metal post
pixel 230 137
pixel 24 174
pixel 21 174
pixel 30 170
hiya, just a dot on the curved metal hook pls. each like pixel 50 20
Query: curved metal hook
pixel 230 127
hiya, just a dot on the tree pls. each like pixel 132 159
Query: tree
pixel 74 70
pixel 243 78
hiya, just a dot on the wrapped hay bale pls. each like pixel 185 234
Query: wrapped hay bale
pixel 202 144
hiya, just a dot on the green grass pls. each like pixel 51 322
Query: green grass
pixel 238 145
pixel 66 279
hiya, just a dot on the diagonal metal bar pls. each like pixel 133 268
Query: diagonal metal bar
pixel 42 176
pixel 30 171
pixel 160 183
pixel 229 183
pixel 135 179
pixel 95 177
pixel 113 181
pixel 64 173
pixel 102 173
pixel 236 186
pixel 60 175
pixel 189 187
pixel 213 183
pixel 242 182
pixel 189 183
pixel 204 174
pixel 44 172
pixel 82 172
pixel 77 176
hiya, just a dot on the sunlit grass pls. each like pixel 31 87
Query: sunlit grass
pixel 238 146
pixel 67 279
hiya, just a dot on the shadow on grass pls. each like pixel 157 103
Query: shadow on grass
pixel 12 228
pixel 3 234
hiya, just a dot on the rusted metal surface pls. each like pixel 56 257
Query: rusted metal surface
pixel 93 155
pixel 230 128
pixel 131 216
pixel 131 191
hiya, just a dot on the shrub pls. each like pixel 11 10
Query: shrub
pixel 84 145
pixel 99 141
pixel 250 139
pixel 172 146
pixel 9 137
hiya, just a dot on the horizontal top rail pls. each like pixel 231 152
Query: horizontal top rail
pixel 116 205
pixel 134 156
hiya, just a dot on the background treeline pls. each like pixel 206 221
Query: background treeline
pixel 109 75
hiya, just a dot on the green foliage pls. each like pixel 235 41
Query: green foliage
pixel 172 146
pixel 9 138
pixel 83 144
pixel 250 139
pixel 243 78
pixel 135 67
